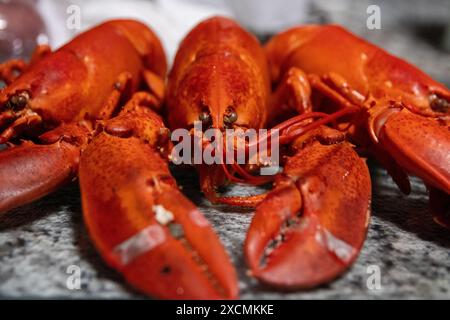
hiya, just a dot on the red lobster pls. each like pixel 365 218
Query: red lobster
pixel 57 91
pixel 399 115
pixel 219 77
pixel 402 116
pixel 315 220
pixel 67 104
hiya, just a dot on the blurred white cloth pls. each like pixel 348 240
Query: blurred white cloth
pixel 170 19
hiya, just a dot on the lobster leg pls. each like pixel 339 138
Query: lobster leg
pixel 142 98
pixel 338 90
pixel 311 227
pixel 27 120
pixel 242 201
pixel 141 223
pixel 292 94
pixel 155 84
pixel 40 52
pixel 119 90
pixel 440 206
pixel 30 171
pixel 339 93
pixel 10 69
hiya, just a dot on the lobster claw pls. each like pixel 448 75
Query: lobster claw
pixel 311 227
pixel 141 223
pixel 30 171
pixel 421 146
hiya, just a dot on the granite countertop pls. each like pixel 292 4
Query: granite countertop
pixel 40 241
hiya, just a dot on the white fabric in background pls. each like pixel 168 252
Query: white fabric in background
pixel 170 19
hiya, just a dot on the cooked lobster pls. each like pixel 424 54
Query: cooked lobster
pixel 140 221
pixel 219 77
pixel 53 103
pixel 62 115
pixel 318 212
pixel 323 89
pixel 402 116
pixel 396 113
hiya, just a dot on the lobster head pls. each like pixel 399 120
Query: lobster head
pixel 42 93
pixel 75 82
pixel 219 78
pixel 219 93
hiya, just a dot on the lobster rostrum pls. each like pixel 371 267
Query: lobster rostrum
pixel 312 225
pixel 61 115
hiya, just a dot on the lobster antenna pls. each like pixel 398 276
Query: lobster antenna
pixel 290 130
pixel 288 137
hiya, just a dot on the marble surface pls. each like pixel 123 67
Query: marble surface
pixel 40 241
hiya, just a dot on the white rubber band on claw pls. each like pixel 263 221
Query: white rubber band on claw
pixel 143 241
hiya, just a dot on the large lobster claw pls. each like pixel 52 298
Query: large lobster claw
pixel 311 227
pixel 421 146
pixel 141 223
pixel 30 171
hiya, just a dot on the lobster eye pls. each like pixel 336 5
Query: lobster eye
pixel 18 101
pixel 230 117
pixel 205 117
pixel 439 104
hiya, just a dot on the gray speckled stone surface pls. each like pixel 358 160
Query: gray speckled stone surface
pixel 39 241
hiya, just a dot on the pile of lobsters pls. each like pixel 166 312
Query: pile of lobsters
pixel 101 109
